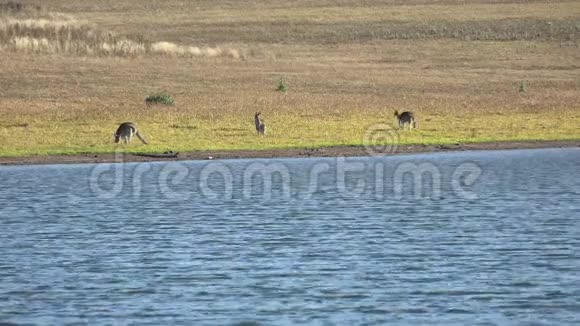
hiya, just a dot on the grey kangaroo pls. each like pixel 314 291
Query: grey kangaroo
pixel 406 118
pixel 125 131
pixel 260 126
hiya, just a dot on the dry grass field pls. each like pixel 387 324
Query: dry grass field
pixel 473 71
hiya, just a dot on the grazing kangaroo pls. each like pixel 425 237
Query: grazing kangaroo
pixel 260 126
pixel 125 131
pixel 406 118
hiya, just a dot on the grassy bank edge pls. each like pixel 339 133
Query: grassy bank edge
pixel 496 143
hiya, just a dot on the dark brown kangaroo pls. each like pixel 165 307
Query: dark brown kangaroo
pixel 406 118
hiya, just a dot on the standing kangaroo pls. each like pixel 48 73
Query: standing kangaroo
pixel 125 131
pixel 260 126
pixel 406 118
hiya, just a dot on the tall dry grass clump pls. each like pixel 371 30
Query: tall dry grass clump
pixel 63 34
pixel 18 8
pixel 33 31
pixel 169 48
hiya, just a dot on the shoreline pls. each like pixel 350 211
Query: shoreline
pixel 338 151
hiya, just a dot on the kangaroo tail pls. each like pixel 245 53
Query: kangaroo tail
pixel 141 138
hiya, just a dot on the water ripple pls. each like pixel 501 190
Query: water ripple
pixel 509 257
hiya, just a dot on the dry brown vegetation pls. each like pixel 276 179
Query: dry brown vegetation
pixel 33 29
pixel 348 64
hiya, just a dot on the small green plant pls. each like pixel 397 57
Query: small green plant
pixel 159 98
pixel 523 87
pixel 282 87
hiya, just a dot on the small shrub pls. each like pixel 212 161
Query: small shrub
pixel 282 87
pixel 159 98
pixel 523 87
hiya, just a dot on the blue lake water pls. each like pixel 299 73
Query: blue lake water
pixel 473 238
